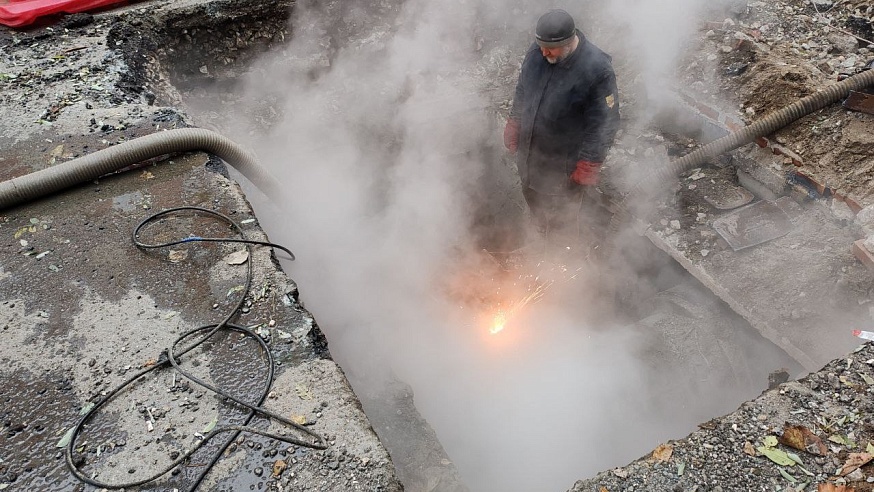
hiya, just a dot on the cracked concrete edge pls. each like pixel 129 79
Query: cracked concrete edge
pixel 769 333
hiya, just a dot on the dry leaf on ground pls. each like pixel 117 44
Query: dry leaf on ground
pixel 854 461
pixel 830 487
pixel 802 439
pixel 238 257
pixel 279 466
pixel 175 256
pixel 663 452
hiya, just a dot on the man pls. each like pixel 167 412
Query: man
pixel 564 117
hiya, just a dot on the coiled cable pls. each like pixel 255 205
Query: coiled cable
pixel 170 358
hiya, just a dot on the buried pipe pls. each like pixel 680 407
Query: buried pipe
pixel 760 128
pixel 43 182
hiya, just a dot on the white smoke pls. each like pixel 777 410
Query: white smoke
pixel 386 114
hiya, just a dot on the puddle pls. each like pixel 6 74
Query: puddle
pixel 128 202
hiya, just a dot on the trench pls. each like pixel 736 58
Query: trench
pixel 485 413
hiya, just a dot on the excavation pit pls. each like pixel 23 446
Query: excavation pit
pixel 667 319
pixel 370 269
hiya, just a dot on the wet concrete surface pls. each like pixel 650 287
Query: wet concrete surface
pixel 83 309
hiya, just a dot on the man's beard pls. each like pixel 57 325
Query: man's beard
pixel 556 59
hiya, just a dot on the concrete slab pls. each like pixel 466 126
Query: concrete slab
pixel 83 309
pixel 804 291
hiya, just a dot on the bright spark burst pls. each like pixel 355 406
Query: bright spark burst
pixel 499 323
pixel 502 316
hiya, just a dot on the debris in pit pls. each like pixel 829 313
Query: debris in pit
pixel 752 225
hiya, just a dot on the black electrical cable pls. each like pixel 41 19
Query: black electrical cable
pixel 170 356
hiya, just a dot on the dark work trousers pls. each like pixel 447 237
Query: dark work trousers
pixel 573 213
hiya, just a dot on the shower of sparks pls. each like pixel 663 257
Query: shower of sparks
pixel 503 315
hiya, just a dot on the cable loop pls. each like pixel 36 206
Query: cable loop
pixel 170 357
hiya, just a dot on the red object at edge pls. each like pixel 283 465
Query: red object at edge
pixel 17 13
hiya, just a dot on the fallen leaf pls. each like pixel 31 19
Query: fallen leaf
pixel 302 392
pixel 57 151
pixel 776 455
pixel 854 461
pixel 869 448
pixel 770 441
pixel 279 466
pixel 663 452
pixel 22 230
pixel 839 439
pixel 749 448
pixel 176 256
pixel 210 426
pixel 787 476
pixel 66 439
pixel 794 457
pixel 237 257
pixel 147 175
pixel 299 419
pixel 86 408
pixel 603 489
pixel 830 487
pixel 802 439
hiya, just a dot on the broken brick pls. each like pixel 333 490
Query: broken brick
pixel 862 254
pixel 853 204
pixel 707 111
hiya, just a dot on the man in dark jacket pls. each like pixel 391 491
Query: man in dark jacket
pixel 564 117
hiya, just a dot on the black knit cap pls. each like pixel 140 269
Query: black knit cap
pixel 554 28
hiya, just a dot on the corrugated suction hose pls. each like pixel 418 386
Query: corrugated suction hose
pixel 41 183
pixel 760 128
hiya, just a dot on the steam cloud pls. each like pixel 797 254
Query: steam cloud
pixel 386 141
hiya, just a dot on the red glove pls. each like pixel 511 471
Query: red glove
pixel 587 173
pixel 511 135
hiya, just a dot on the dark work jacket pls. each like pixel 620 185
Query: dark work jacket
pixel 567 112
